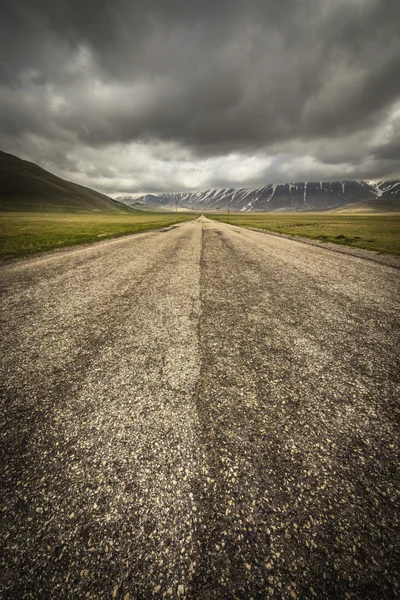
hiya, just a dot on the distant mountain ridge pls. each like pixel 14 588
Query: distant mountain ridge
pixel 313 195
pixel 25 186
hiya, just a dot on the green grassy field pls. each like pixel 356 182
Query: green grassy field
pixel 28 233
pixel 374 232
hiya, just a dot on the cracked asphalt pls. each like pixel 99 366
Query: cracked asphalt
pixel 203 412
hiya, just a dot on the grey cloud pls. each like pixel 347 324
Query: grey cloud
pixel 389 151
pixel 211 78
pixel 389 148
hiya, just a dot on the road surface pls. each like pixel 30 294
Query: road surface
pixel 202 412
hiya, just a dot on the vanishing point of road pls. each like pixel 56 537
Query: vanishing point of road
pixel 201 412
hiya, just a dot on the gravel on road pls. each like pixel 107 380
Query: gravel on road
pixel 202 412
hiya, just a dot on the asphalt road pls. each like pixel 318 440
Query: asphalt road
pixel 203 412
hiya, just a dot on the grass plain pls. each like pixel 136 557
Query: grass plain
pixel 23 233
pixel 379 232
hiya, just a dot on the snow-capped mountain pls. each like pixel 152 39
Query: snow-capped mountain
pixel 309 195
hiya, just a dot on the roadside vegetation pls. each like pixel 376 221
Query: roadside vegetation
pixel 24 233
pixel 372 232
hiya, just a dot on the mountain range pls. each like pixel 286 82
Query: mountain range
pixel 301 196
pixel 25 186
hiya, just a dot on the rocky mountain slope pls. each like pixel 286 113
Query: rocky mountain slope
pixel 313 195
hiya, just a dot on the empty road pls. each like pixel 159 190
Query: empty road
pixel 203 412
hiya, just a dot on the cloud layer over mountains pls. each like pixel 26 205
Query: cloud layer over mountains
pixel 136 96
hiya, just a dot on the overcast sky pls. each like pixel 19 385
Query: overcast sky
pixel 130 96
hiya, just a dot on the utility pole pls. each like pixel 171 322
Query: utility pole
pixel 176 205
pixel 229 207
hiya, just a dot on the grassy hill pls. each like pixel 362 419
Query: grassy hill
pixel 374 205
pixel 25 186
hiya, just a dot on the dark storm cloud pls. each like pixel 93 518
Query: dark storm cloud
pixel 389 151
pixel 284 77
